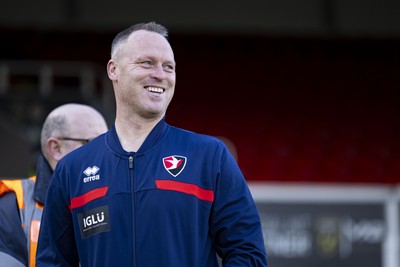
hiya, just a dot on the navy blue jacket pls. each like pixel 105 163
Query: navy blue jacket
pixel 177 202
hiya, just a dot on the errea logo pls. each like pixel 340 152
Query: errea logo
pixel 91 170
pixel 91 173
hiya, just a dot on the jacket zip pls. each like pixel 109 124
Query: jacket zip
pixel 133 210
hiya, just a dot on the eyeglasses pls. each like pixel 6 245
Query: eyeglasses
pixel 84 141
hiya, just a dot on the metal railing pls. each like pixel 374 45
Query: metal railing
pixel 43 74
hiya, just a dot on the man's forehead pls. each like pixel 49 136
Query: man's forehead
pixel 146 39
pixel 145 34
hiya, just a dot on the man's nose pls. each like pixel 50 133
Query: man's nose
pixel 158 72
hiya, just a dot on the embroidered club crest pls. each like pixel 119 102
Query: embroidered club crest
pixel 174 164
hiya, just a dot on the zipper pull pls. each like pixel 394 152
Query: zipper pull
pixel 130 162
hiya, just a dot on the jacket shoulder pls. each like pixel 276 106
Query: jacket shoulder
pixel 195 137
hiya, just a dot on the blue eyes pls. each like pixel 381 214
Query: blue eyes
pixel 149 64
pixel 169 67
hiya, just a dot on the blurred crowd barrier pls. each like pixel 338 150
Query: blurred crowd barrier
pixel 329 225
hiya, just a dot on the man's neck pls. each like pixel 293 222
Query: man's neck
pixel 133 132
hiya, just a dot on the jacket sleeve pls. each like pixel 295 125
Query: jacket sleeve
pixel 13 242
pixel 56 246
pixel 235 222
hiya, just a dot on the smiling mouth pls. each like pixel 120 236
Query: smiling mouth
pixel 156 90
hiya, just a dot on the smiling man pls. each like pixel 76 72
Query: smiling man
pixel 162 196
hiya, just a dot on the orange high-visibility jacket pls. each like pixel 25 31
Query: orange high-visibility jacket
pixel 30 213
pixel 21 208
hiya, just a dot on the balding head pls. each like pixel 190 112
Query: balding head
pixel 75 121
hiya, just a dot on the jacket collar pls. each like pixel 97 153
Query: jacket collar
pixel 156 134
pixel 43 175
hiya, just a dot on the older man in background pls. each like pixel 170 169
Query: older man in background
pixel 65 129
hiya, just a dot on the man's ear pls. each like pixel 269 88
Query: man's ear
pixel 53 147
pixel 112 70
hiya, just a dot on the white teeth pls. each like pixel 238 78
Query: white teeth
pixel 155 90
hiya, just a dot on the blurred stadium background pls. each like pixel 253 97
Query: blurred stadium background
pixel 303 91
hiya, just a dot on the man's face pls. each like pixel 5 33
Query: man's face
pixel 144 77
pixel 82 129
pixel 68 146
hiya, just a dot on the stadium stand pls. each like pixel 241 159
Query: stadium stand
pixel 297 110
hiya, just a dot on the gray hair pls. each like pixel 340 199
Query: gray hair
pixel 54 126
pixel 150 26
